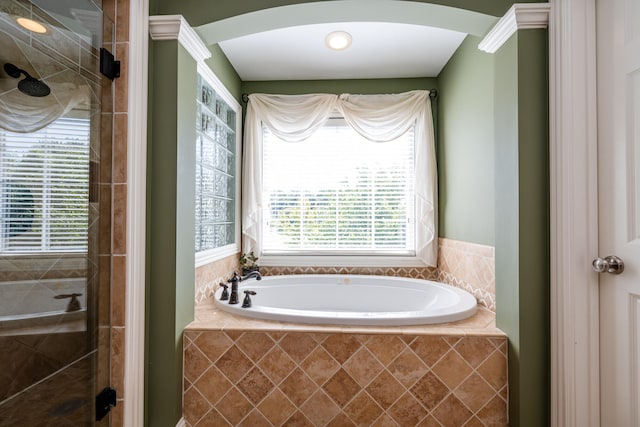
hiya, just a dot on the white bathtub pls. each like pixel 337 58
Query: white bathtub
pixel 29 306
pixel 352 300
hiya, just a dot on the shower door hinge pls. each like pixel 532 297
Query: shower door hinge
pixel 104 401
pixel 108 65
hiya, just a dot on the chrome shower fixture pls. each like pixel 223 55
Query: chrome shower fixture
pixel 29 85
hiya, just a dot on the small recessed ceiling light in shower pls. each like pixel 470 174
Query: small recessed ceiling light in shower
pixel 338 40
pixel 32 25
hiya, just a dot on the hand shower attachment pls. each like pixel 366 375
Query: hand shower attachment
pixel 29 85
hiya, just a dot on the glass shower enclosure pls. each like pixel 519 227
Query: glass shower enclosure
pixel 55 139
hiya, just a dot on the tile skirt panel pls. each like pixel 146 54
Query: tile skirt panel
pixel 337 379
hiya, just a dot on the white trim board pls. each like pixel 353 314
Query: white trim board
pixel 521 16
pixel 175 27
pixel 575 365
pixel 136 213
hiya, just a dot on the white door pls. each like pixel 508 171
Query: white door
pixel 618 77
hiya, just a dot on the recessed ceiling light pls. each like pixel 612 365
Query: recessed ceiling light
pixel 338 40
pixel 32 25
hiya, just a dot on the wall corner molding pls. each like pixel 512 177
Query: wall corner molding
pixel 573 165
pixel 521 16
pixel 134 348
pixel 175 27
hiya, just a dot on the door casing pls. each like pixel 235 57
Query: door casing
pixel 575 388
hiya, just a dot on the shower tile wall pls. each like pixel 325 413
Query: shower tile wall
pixel 465 265
pixel 249 378
pixel 118 12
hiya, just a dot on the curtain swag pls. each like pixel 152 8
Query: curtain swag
pixel 379 118
pixel 21 113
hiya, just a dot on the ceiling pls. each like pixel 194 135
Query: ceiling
pixel 378 50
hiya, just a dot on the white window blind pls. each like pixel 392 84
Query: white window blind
pixel 338 193
pixel 44 188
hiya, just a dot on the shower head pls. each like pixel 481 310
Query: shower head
pixel 29 85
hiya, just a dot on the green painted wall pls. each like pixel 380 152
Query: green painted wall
pixel 199 12
pixel 521 191
pixel 170 225
pixel 222 68
pixel 466 146
pixel 522 221
pixel 356 86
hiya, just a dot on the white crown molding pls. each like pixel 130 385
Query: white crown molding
pixel 175 27
pixel 521 16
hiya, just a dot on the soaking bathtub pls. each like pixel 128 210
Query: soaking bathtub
pixel 29 306
pixel 352 300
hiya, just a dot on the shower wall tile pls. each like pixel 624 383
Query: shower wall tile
pixel 117 358
pixel 118 290
pixel 30 267
pixel 106 131
pixel 63 406
pixel 120 149
pixel 119 225
pixel 121 96
pixel 115 99
pixel 104 290
pixel 244 377
pixel 122 20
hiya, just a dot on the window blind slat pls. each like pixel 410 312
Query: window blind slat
pixel 44 185
pixel 337 191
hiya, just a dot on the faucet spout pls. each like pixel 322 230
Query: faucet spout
pixel 249 275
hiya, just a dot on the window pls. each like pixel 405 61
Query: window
pixel 217 233
pixel 338 193
pixel 44 188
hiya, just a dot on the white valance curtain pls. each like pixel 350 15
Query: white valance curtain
pixel 22 113
pixel 379 118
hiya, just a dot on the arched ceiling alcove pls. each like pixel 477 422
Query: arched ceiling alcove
pixel 392 39
pixel 407 12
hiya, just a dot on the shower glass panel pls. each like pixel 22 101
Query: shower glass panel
pixel 55 139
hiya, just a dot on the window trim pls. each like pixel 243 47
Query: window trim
pixel 211 255
pixel 341 261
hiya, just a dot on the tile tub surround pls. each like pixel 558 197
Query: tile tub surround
pixel 208 277
pixel 248 372
pixel 468 266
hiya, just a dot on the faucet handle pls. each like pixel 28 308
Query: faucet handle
pixel 74 304
pixel 247 299
pixel 63 296
pixel 225 292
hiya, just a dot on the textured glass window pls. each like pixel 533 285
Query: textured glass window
pixel 215 170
